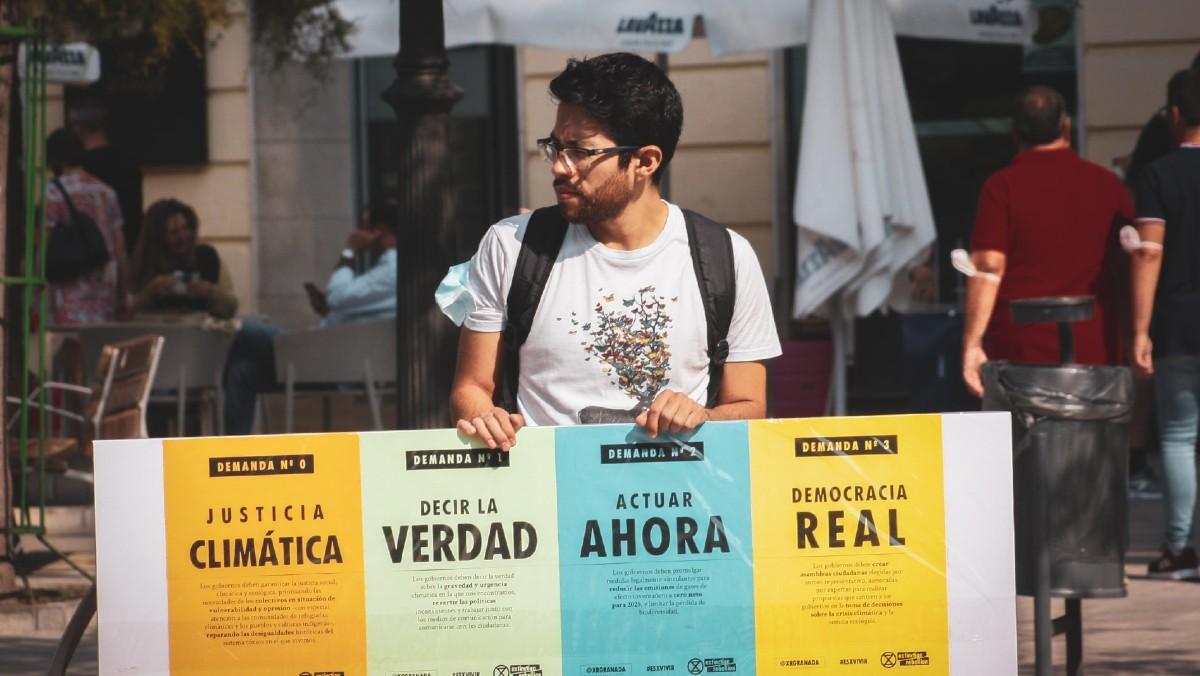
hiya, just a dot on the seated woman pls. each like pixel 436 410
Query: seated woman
pixel 174 274
pixel 171 272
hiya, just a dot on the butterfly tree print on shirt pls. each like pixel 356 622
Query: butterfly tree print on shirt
pixel 628 337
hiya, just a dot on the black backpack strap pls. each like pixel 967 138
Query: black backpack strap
pixel 66 197
pixel 712 257
pixel 539 250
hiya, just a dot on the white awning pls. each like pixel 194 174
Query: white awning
pixel 666 25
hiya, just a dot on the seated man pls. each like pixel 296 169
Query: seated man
pixel 349 298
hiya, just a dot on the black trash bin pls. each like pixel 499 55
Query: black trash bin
pixel 1077 419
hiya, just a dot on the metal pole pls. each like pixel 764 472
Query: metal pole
pixel 31 199
pixel 1074 619
pixel 422 96
pixel 1066 343
pixel 1043 625
pixel 38 178
pixel 781 210
pixel 840 335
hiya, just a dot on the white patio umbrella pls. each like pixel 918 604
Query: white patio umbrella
pixel 730 26
pixel 632 25
pixel 861 204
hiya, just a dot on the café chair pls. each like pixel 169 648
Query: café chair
pixel 115 407
pixel 189 369
pixel 335 358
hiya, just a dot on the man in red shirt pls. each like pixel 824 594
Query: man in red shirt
pixel 1046 226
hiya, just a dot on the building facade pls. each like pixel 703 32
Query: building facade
pixel 292 159
pixel 1130 50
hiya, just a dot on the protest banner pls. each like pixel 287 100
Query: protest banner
pixel 831 545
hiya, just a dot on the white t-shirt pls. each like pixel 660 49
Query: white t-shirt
pixel 615 327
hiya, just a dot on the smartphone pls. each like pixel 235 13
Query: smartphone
pixel 316 298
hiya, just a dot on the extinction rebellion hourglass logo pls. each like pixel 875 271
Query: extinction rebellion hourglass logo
pixel 711 665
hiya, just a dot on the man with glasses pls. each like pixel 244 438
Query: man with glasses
pixel 620 329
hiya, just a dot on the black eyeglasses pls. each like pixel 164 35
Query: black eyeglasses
pixel 575 156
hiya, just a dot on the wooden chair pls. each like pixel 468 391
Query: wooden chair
pixel 189 370
pixel 115 407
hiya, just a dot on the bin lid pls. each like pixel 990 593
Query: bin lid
pixel 1069 392
pixel 1053 309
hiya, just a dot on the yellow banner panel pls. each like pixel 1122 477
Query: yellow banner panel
pixel 265 555
pixel 849 545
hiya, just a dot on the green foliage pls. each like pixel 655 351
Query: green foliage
pixel 308 31
pixel 149 29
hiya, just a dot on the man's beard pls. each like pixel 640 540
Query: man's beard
pixel 609 200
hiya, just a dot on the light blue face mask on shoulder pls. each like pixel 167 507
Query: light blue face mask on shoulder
pixel 453 295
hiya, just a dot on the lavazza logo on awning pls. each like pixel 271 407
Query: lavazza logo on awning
pixel 997 14
pixel 653 24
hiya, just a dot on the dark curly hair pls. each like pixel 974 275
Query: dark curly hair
pixel 1183 92
pixel 632 98
pixel 150 255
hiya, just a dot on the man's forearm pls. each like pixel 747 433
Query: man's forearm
pixel 468 401
pixel 738 410
pixel 347 292
pixel 981 300
pixel 1144 273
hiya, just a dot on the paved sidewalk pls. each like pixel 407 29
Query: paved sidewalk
pixel 1152 631
pixel 29 636
pixel 30 655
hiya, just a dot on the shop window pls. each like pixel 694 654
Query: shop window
pixel 158 115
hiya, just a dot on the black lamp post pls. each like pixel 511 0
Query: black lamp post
pixel 422 96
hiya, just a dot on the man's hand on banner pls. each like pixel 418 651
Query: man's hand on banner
pixel 496 427
pixel 672 412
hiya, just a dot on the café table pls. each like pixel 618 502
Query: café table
pixel 192 360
